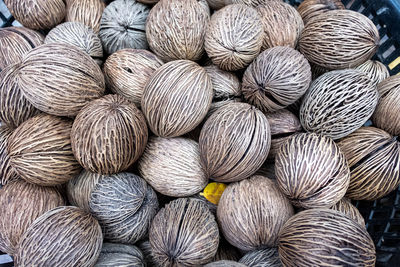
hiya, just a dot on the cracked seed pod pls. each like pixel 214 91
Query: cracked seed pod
pixel 64 236
pixel 145 247
pixel 278 77
pixel 234 37
pixel 69 79
pixel 252 212
pixel 345 207
pixel 125 205
pixel 123 26
pixel 177 98
pixel 266 257
pixel 20 204
pixel 234 142
pixel 323 237
pixel 374 159
pixel 172 166
pixel 387 111
pixel 7 173
pixel 338 103
pixel 312 171
pixel 128 70
pixel 120 255
pixel 109 135
pixel 15 42
pixel 339 39
pixel 224 263
pixel 40 151
pixel 185 233
pixel 37 14
pixel 175 29
pixel 375 70
pixel 309 9
pixel 87 12
pixel 282 24
pixel 79 35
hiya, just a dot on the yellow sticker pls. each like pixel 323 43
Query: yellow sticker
pixel 213 192
pixel 394 63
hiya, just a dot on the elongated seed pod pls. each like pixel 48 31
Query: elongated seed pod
pixel 345 207
pixel 120 255
pixel 309 9
pixel 262 258
pixel 375 70
pixel 7 173
pixel 87 12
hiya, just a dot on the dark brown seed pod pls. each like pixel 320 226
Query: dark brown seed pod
pixel 309 9
pixel 252 212
pixel 69 79
pixel 278 77
pixel 185 233
pixel 267 257
pixel 234 37
pixel 373 156
pixel 87 12
pixel 109 135
pixel 40 151
pixel 345 207
pixel 322 237
pixel 234 142
pixel 125 205
pixel 37 14
pixel 79 35
pixel 128 70
pixel 64 236
pixel 175 29
pixel 224 263
pixel 7 173
pixel 387 111
pixel 120 255
pixel 339 39
pixel 177 98
pixel 338 103
pixel 145 247
pixel 375 70
pixel 20 204
pixel 312 171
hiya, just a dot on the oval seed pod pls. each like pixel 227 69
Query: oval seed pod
pixel 375 70
pixel 262 258
pixel 224 263
pixel 120 255
pixel 345 207
pixel 7 173
pixel 87 12
pixel 309 9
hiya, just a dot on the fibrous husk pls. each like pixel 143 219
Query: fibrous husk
pixel 266 257
pixel 87 12
pixel 224 263
pixel 309 9
pixel 375 70
pixel 345 207
pixel 7 173
pixel 112 255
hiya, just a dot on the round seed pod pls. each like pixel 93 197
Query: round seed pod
pixel 20 204
pixel 224 263
pixel 282 24
pixel 375 70
pixel 242 134
pixel 120 255
pixel 109 135
pixel 123 26
pixel 145 247
pixel 338 103
pixel 321 237
pixel 373 156
pixel 77 34
pixel 339 39
pixel 7 173
pixel 175 29
pixel 40 151
pixel 309 9
pixel 234 37
pixel 125 205
pixel 345 207
pixel 128 70
pixel 278 77
pixel 387 111
pixel 267 257
pixel 64 236
pixel 70 79
pixel 177 98
pixel 87 12
pixel 312 171
pixel 184 232
pixel 37 14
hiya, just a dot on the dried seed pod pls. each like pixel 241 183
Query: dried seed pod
pixel 123 26
pixel 109 135
pixel 37 14
pixel 338 103
pixel 177 98
pixel 120 255
pixel 7 173
pixel 312 171
pixel 40 151
pixel 15 42
pixel 125 205
pixel 87 12
pixel 77 34
pixel 345 207
pixel 387 111
pixel 20 204
pixel 282 24
pixel 278 77
pixel 309 9
pixel 64 236
pixel 240 133
pixel 252 212
pixel 128 70
pixel 375 70
pixel 234 37
pixel 253 3
pixel 185 233
pixel 69 79
pixel 175 29
pixel 145 247
pixel 322 237
pixel 224 263
pixel 267 257
pixel 374 157
pixel 339 39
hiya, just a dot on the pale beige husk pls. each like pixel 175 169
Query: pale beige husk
pixel 87 12
pixel 309 9
pixel 375 70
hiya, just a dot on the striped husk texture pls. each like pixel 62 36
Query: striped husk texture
pixel 64 236
pixel 252 3
pixel 345 207
pixel 375 70
pixel 224 263
pixel 323 237
pixel 112 255
pixel 7 173
pixel 309 9
pixel 87 12
pixel 267 257
pixel 312 171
